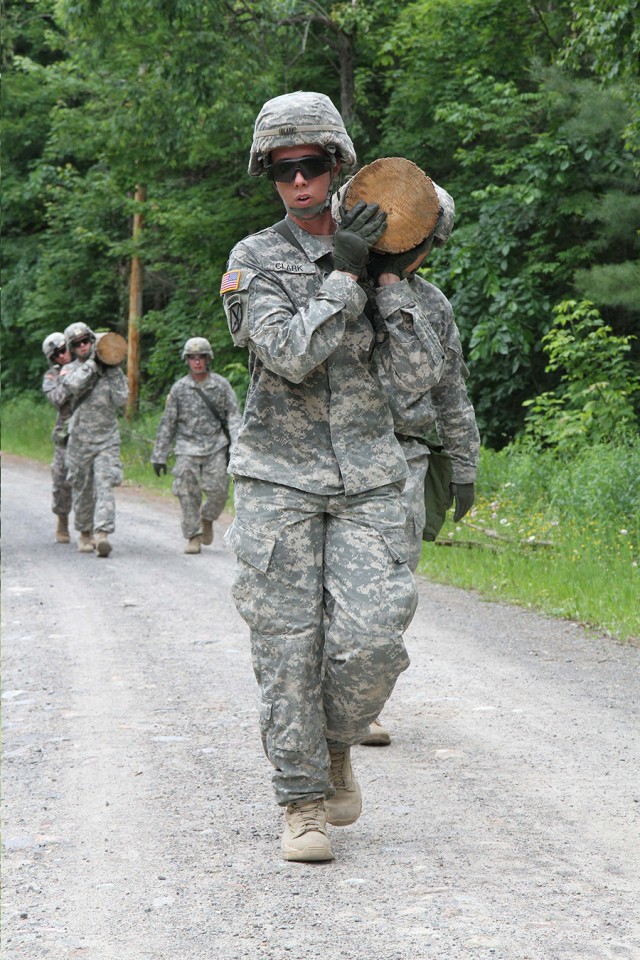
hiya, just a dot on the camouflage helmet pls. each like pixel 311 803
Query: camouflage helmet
pixel 297 119
pixel 52 343
pixel 195 345
pixel 444 226
pixel 75 331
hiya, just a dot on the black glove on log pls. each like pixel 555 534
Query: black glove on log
pixel 358 231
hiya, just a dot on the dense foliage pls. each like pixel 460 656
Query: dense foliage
pixel 527 113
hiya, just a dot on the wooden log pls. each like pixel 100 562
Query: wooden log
pixel 407 195
pixel 111 348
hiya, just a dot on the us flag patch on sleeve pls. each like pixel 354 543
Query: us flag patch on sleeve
pixel 230 281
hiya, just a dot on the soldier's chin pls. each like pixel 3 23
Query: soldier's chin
pixel 308 213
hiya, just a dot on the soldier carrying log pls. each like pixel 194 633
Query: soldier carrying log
pixel 322 577
pixel 98 390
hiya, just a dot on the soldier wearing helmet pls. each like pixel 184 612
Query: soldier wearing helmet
pixel 443 414
pixel 80 339
pixel 201 418
pixel 319 525
pixel 57 353
pixel 53 347
pixel 97 394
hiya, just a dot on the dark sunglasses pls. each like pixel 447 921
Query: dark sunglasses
pixel 58 352
pixel 284 171
pixel 81 343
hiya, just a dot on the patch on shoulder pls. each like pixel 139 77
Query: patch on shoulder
pixel 230 281
pixel 235 317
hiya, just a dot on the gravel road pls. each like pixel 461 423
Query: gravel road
pixel 138 819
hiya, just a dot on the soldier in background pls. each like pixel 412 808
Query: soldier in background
pixel 98 392
pixel 444 410
pixel 201 418
pixel 57 353
pixel 322 578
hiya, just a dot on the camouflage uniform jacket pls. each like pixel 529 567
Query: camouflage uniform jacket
pixel 189 422
pixel 97 394
pixel 446 406
pixel 316 417
pixel 55 393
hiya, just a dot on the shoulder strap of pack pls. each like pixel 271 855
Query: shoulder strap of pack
pixel 283 228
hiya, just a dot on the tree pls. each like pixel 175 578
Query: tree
pixel 537 172
pixel 604 41
pixel 597 389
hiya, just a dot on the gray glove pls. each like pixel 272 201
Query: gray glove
pixel 464 495
pixel 358 231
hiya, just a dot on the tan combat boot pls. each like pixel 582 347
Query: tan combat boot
pixel 193 546
pixel 305 832
pixel 207 532
pixel 85 542
pixel 377 735
pixel 345 807
pixel 62 530
pixel 102 544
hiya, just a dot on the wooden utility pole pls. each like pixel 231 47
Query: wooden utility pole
pixel 135 312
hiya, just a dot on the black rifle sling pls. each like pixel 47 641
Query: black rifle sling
pixel 214 410
pixel 283 228
pixel 285 231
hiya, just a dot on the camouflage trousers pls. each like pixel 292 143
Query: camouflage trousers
pixel 193 477
pixel 325 588
pixel 61 492
pixel 413 503
pixel 93 475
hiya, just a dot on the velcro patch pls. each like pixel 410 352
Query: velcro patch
pixel 230 281
pixel 235 317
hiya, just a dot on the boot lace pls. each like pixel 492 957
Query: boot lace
pixel 306 816
pixel 337 768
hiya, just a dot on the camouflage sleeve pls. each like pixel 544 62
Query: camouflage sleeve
pixel 79 381
pixel 291 341
pixel 234 417
pixel 53 388
pixel 455 416
pixel 413 356
pixel 119 387
pixel 166 429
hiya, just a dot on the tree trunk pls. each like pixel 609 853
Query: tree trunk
pixel 346 55
pixel 135 313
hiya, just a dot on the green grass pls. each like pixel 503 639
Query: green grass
pixel 557 582
pixel 26 431
pixel 559 538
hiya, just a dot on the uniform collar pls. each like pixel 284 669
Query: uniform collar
pixel 313 246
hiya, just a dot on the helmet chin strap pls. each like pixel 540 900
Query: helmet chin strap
pixel 310 213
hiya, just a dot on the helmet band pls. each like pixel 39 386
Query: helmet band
pixel 291 128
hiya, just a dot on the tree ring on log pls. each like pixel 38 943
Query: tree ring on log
pixel 407 195
pixel 111 348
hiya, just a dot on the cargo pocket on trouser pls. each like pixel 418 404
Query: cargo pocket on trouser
pixel 250 588
pixel 185 479
pixel 402 595
pixel 266 715
pixel 117 473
